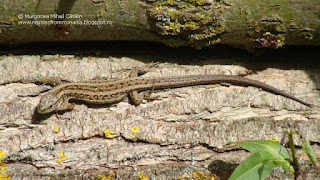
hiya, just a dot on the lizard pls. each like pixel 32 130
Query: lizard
pixel 113 91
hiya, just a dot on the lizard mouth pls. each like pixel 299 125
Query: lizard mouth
pixel 40 110
pixel 43 110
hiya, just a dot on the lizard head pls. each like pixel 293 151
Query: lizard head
pixel 48 103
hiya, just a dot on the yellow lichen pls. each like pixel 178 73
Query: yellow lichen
pixel 278 28
pixel 151 14
pixel 172 14
pixel 90 123
pixel 56 128
pixel 4 177
pixel 199 2
pixel 102 11
pixel 174 26
pixel 2 154
pixel 135 131
pixel 205 22
pixel 198 176
pixel 158 8
pixel 202 176
pixel 142 176
pixel 3 167
pixel 215 41
pixel 109 134
pixel 188 22
pixel 215 31
pixel 171 2
pixel 61 157
pixel 199 16
pixel 104 177
pixel 13 19
pixel 191 25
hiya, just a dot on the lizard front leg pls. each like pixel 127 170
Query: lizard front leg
pixel 63 105
pixel 134 95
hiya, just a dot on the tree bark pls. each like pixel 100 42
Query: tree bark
pixel 196 23
pixel 182 134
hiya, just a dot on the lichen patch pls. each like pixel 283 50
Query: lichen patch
pixel 196 23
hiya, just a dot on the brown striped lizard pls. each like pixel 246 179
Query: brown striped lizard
pixel 112 91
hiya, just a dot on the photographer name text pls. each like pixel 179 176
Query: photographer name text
pixel 52 16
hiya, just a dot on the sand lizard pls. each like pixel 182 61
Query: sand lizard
pixel 112 91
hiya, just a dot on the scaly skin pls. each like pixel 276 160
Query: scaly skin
pixel 106 92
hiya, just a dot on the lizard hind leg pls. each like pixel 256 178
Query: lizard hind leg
pixel 136 100
pixel 134 97
pixel 150 96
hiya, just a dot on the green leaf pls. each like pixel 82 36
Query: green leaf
pixel 274 148
pixel 255 167
pixel 270 151
pixel 307 148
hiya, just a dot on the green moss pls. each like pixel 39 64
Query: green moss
pixel 195 23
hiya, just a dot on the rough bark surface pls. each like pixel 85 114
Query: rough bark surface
pixel 182 134
pixel 196 23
